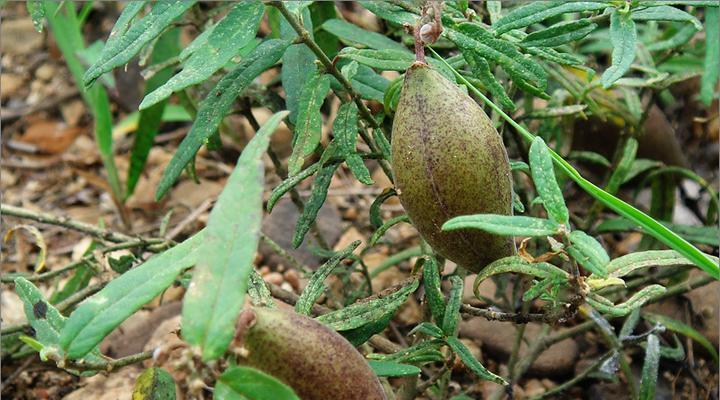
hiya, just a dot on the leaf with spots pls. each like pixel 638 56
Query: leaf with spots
pixel 220 279
pixel 213 109
pixel 314 203
pixel 125 42
pixel 308 125
pixel 543 174
pixel 505 225
pixel 154 384
pixel 98 315
pixel 623 36
pixel 227 38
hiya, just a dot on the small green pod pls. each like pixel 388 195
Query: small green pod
pixel 449 160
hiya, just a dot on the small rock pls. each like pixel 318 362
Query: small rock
pixel 45 72
pixel 10 84
pixel 348 237
pixel 533 388
pixel 72 112
pixel 291 276
pixel 275 278
pixel 12 310
pixel 19 37
pixel 497 338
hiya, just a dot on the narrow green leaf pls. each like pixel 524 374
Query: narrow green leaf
pixel 648 379
pixel 345 130
pixel 452 311
pixel 473 364
pixel 539 11
pixel 433 291
pixel 234 31
pixel 526 73
pixel 639 166
pixel 220 279
pixel 129 41
pixel 589 156
pixel 426 328
pixel 392 369
pixel 154 384
pixel 543 175
pixel 213 108
pixel 623 36
pixel 389 12
pixel 425 351
pixel 321 12
pixel 683 329
pixel 316 286
pixel 246 383
pixel 362 334
pixel 314 203
pixel 637 300
pixel 298 60
pixel 559 34
pixel 387 225
pixel 289 183
pixel 353 34
pixel 711 66
pixel 149 120
pixel 665 13
pixel 37 13
pixel 555 56
pixel 389 59
pixel 308 127
pixel 481 70
pixel 104 311
pixel 359 314
pixel 589 253
pixel 259 293
pixel 505 225
pixel 679 38
pixel 382 143
pixel 519 265
pixel 626 210
pixel 627 264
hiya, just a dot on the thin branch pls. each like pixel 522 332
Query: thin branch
pixel 365 113
pixel 110 365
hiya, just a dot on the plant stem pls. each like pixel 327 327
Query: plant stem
pixel 111 365
pixel 100 233
pixel 365 113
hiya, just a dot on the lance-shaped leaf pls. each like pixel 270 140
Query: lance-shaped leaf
pixel 543 174
pixel 298 60
pixel 389 368
pixel 452 311
pixel 481 69
pixel 104 311
pixel 683 329
pixel 314 203
pixel 637 300
pixel 665 13
pixel 471 362
pixel 623 36
pixel 648 379
pixel 539 11
pixel 559 34
pixel 428 329
pixel 124 43
pixel 227 37
pixel 259 293
pixel 390 12
pixel 308 124
pixel 37 13
pixel 433 291
pixel 365 312
pixel 627 264
pixel 375 218
pixel 520 265
pixel 220 279
pixel 711 66
pixel 505 225
pixel 345 129
pixel 289 183
pixel 423 352
pixel 589 253
pixel 215 106
pixel 245 383
pixel 527 74
pixel 316 286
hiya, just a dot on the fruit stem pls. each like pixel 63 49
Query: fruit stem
pixel 419 44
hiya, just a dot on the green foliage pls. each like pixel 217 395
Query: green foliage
pixel 241 383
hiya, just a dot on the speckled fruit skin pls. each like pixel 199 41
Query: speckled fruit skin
pixel 449 160
pixel 314 360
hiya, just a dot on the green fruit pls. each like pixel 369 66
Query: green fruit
pixel 449 160
pixel 306 355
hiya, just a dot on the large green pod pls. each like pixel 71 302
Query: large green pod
pixel 317 362
pixel 449 160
